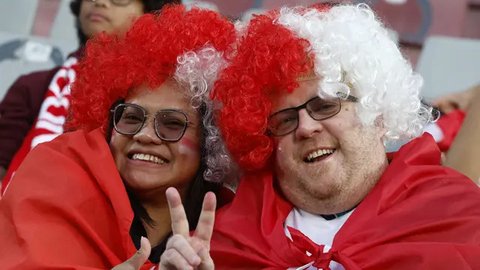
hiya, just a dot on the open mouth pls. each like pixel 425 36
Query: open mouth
pixel 148 158
pixel 318 155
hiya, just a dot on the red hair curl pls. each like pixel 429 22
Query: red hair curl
pixel 147 54
pixel 269 59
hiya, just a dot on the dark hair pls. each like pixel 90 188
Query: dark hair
pixel 149 6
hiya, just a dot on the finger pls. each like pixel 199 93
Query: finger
pixel 177 213
pixel 171 259
pixel 207 218
pixel 207 262
pixel 445 106
pixel 138 259
pixel 184 248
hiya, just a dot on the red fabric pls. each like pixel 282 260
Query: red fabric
pixel 66 208
pixel 450 124
pixel 419 216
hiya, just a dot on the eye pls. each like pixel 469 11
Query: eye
pixel 171 120
pixel 283 121
pixel 323 107
pixel 286 120
pixel 172 123
pixel 131 118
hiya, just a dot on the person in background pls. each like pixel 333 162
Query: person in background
pixel 463 153
pixel 308 104
pixel 143 123
pixel 457 101
pixel 34 109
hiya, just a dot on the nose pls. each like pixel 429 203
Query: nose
pixel 147 134
pixel 307 126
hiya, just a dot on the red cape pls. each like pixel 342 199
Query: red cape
pixel 66 208
pixel 420 215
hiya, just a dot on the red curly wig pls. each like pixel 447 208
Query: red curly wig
pixel 269 60
pixel 147 54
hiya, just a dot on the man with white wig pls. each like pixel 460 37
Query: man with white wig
pixel 309 102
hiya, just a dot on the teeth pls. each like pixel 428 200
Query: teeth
pixel 147 157
pixel 319 153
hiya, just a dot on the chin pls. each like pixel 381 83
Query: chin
pixel 141 182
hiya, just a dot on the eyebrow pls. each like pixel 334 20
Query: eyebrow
pixel 294 107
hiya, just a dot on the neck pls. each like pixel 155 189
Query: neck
pixel 161 226
pixel 157 209
pixel 337 215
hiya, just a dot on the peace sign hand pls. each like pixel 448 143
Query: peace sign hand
pixel 184 251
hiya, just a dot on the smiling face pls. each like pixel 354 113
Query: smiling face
pixel 103 16
pixel 328 166
pixel 148 165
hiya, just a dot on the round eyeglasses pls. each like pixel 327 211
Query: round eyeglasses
pixel 286 121
pixel 129 119
pixel 115 2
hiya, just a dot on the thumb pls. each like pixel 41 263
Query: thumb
pixel 138 259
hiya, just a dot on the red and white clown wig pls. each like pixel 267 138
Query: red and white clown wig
pixel 345 46
pixel 188 46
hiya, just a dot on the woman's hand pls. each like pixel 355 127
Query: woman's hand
pixel 138 259
pixel 184 251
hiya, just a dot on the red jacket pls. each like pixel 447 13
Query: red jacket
pixel 420 215
pixel 66 208
pixel 19 109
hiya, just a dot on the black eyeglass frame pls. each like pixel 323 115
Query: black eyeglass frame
pixel 145 116
pixel 339 98
pixel 115 2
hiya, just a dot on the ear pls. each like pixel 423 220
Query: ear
pixel 380 127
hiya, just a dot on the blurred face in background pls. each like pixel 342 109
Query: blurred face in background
pixel 110 16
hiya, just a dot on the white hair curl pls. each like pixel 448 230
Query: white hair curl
pixel 197 72
pixel 353 50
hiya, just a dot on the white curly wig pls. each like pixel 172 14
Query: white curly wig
pixel 355 55
pixel 197 72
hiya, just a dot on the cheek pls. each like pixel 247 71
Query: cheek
pixel 188 145
pixel 189 148
pixel 113 140
pixel 83 9
pixel 282 147
pixel 125 19
pixel 282 156
pixel 117 143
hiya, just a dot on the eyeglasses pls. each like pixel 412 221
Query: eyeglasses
pixel 285 121
pixel 129 119
pixel 115 2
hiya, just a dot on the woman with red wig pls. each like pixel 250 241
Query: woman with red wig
pixel 35 107
pixel 142 122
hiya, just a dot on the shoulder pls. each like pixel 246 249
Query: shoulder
pixel 37 78
pixel 72 160
pixel 31 86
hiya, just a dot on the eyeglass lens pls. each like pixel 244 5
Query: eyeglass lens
pixel 286 121
pixel 169 125
pixel 116 2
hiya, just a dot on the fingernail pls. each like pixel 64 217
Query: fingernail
pixel 142 243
